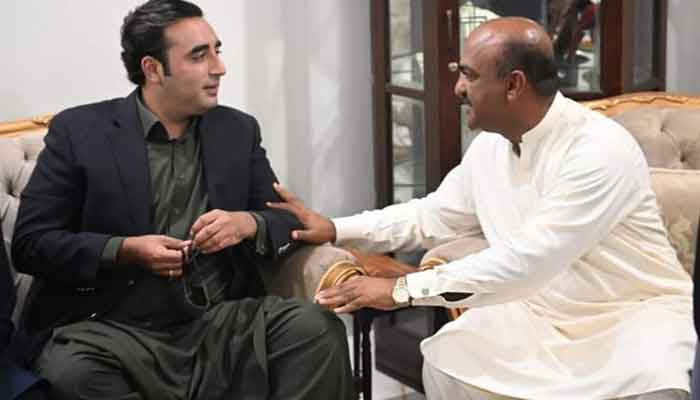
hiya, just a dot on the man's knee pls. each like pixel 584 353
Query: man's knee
pixel 74 375
pixel 313 321
pixel 66 373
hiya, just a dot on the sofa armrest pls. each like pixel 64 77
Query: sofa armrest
pixel 453 250
pixel 308 270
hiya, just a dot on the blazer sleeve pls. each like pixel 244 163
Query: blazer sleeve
pixel 280 224
pixel 48 242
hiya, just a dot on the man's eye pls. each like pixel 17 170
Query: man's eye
pixel 468 74
pixel 198 56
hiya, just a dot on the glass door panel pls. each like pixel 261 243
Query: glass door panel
pixel 408 148
pixel 644 33
pixel 406 43
pixel 574 26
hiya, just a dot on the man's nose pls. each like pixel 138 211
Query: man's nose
pixel 461 87
pixel 218 68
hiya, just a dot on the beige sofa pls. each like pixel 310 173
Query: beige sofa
pixel 667 127
pixel 299 275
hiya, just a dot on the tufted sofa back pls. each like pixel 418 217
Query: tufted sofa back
pixel 20 144
pixel 667 127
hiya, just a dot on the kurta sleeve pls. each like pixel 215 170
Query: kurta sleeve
pixel 437 218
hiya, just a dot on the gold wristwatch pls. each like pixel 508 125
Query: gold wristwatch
pixel 400 293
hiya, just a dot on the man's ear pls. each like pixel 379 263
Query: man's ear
pixel 152 69
pixel 515 84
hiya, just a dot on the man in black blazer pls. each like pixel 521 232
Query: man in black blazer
pixel 145 220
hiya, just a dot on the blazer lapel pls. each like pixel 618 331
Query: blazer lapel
pixel 218 155
pixel 129 151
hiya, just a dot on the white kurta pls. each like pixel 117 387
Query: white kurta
pixel 579 295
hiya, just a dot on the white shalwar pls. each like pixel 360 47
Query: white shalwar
pixel 579 295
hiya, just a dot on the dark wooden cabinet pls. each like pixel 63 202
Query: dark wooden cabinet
pixel 397 338
pixel 603 48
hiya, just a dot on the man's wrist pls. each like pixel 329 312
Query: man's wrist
pixel 252 225
pixel 400 293
pixel 334 232
pixel 110 254
pixel 259 238
pixel 126 254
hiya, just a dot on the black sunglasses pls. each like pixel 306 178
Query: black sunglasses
pixel 194 293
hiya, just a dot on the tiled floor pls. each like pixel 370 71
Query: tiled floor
pixel 386 388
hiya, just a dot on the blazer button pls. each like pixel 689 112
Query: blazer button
pixel 93 316
pixel 131 282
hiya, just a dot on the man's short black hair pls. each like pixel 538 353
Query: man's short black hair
pixel 143 33
pixel 539 68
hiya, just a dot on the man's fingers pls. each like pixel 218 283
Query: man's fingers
pixel 330 292
pixel 162 268
pixel 340 294
pixel 205 234
pixel 218 242
pixel 348 308
pixel 169 256
pixel 171 242
pixel 305 235
pixel 171 273
pixel 163 265
pixel 203 220
pixel 334 300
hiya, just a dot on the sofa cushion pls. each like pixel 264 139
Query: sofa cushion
pixel 17 159
pixel 668 136
pixel 18 154
pixel 455 249
pixel 677 193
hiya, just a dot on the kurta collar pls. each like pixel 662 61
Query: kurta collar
pixel 547 124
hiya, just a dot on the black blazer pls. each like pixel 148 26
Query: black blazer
pixel 92 182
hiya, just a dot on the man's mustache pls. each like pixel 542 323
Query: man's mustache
pixel 464 101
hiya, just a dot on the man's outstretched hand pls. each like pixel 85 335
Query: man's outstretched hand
pixel 317 228
pixel 359 292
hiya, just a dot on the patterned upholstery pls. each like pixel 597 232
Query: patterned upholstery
pixel 17 159
pixel 20 144
pixel 678 195
pixel 670 138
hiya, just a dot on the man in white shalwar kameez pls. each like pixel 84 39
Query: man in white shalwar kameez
pixel 579 294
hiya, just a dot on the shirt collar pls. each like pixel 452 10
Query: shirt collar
pixel 149 120
pixel 547 124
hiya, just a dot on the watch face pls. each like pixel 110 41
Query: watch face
pixel 400 295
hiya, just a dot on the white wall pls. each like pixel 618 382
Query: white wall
pixel 682 53
pixel 301 67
